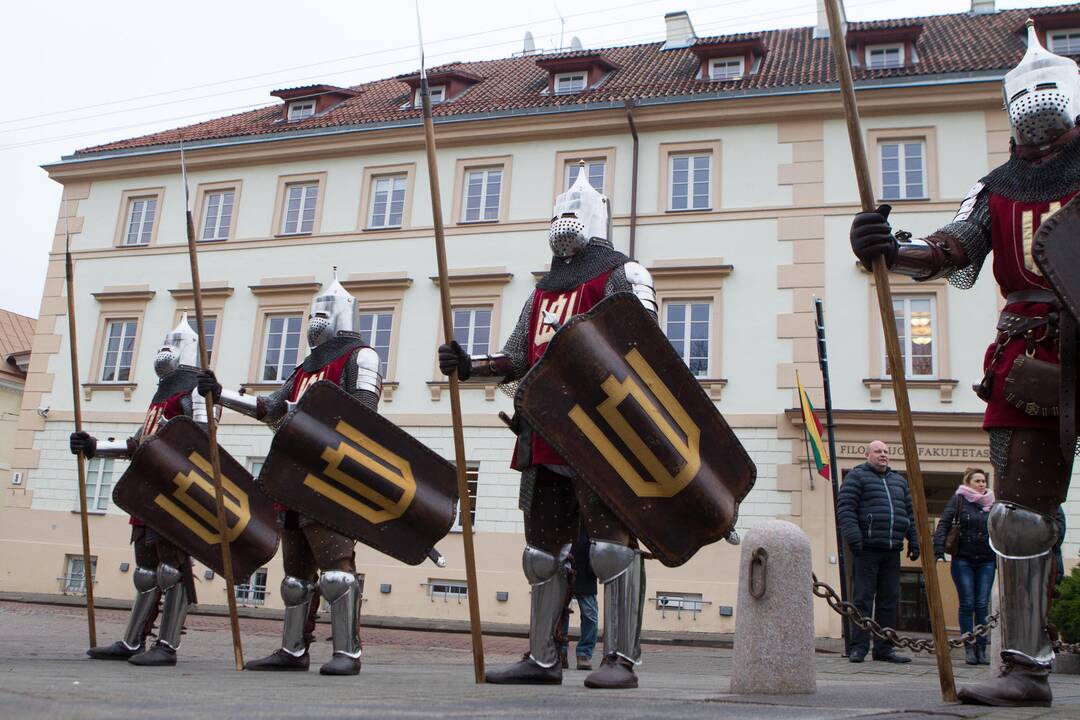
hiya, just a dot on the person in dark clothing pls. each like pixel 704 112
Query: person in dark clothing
pixel 1059 560
pixel 875 515
pixel 585 591
pixel 974 564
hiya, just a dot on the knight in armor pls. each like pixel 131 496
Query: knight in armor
pixel 1001 213
pixel 318 560
pixel 585 268
pixel 162 570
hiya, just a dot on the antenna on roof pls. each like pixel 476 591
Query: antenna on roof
pixel 562 24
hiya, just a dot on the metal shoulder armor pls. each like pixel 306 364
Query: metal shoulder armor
pixel 367 371
pixel 641 284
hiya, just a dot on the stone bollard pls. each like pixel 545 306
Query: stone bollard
pixel 774 620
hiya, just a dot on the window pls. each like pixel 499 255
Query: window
pixel 472 329
pixel 1065 42
pixel 679 602
pixel 74 578
pixel 594 171
pixel 255 466
pixel 483 188
pixel 448 589
pixel 916 320
pixel 301 110
pixel 375 330
pixel 282 346
pixel 99 472
pixel 437 93
pixel 726 68
pixel 687 328
pixel 472 477
pixel 298 215
pixel 119 346
pixel 140 222
pixel 217 214
pixel 387 201
pixel 883 57
pixel 252 592
pixel 569 83
pixel 690 182
pixel 211 331
pixel 903 170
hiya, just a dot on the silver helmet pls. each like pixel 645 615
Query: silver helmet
pixel 180 347
pixel 1042 94
pixel 333 311
pixel 581 216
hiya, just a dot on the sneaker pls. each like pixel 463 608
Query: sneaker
pixel 584 663
pixel 893 657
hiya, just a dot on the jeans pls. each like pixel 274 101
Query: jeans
pixel 587 608
pixel 973 581
pixel 877 588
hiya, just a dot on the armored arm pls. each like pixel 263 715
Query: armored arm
pixel 633 277
pixel 510 364
pixel 362 379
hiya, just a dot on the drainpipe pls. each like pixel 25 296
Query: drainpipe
pixel 633 178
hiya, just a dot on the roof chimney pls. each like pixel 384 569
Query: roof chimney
pixel 821 30
pixel 983 7
pixel 680 31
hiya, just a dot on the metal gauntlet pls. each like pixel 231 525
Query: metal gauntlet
pixel 929 258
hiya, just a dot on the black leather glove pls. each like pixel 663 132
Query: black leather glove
pixel 453 358
pixel 81 442
pixel 208 384
pixel 871 236
pixel 912 553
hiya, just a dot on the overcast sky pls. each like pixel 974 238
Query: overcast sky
pixel 79 73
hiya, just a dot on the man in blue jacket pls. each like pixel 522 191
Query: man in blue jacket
pixel 874 508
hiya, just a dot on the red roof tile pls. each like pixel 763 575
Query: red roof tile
pixel 16 336
pixel 948 44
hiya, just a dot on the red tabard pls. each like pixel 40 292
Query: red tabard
pixel 1013 229
pixel 156 414
pixel 564 305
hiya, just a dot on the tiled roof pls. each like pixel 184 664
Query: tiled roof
pixel 16 336
pixel 958 43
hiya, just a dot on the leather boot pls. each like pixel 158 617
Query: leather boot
pixel 525 672
pixel 140 621
pixel 117 651
pixel 280 660
pixel 971 654
pixel 615 673
pixel 159 655
pixel 293 653
pixel 1016 685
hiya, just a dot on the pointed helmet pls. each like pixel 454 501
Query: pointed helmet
pixel 333 311
pixel 180 347
pixel 1042 94
pixel 581 216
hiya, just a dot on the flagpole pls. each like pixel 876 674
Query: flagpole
pixel 823 363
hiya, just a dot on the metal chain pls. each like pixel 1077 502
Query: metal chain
pixel 849 611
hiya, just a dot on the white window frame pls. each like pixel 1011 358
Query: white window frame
pixel 252 592
pixel 885 50
pixel 281 367
pixel 446 589
pixel 469 344
pixel 902 169
pixel 124 339
pixel 685 342
pixel 309 200
pixel 691 197
pixel 725 63
pixel 1071 38
pixel 98 493
pixel 301 110
pixel 386 221
pixel 906 339
pixel 575 82
pixel 218 225
pixel 73 581
pixel 569 178
pixel 143 228
pixel 372 335
pixel 255 465
pixel 472 476
pixel 437 93
pixel 485 195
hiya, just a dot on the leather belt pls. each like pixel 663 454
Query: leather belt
pixel 1033 296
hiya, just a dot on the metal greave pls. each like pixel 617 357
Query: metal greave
pixel 547 574
pixel 342 591
pixel 146 600
pixel 296 594
pixel 621 570
pixel 175 607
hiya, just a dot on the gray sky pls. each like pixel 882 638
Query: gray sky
pixel 80 73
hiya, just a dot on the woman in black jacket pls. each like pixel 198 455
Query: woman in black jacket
pixel 974 564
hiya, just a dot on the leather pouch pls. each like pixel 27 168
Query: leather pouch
pixel 1032 386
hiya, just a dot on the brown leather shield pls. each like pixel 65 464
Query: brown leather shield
pixel 618 404
pixel 1056 250
pixel 169 485
pixel 360 474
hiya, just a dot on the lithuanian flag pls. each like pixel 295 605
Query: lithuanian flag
pixel 814 431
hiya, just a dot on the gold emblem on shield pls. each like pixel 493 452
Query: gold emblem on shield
pixel 195 515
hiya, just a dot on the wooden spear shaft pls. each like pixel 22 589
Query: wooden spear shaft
pixel 211 430
pixel 896 364
pixel 455 393
pixel 80 460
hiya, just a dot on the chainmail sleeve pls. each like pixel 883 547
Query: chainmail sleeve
pixel 274 406
pixel 517 345
pixel 971 227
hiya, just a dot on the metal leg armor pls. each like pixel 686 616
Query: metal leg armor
pixel 621 570
pixel 342 591
pixel 548 576
pixel 296 594
pixel 170 581
pixel 1023 540
pixel 143 608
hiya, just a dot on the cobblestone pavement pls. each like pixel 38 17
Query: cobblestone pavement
pixel 409 674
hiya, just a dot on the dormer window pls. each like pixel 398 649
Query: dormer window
pixel 570 82
pixel 301 110
pixel 885 57
pixel 727 68
pixel 437 94
pixel 1064 42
